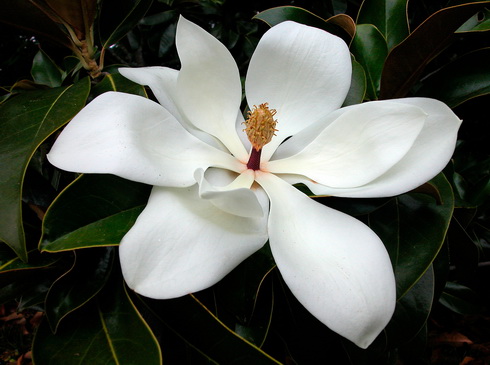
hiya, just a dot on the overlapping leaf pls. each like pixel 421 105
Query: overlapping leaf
pixel 25 122
pixel 109 331
pixel 407 61
pixel 388 16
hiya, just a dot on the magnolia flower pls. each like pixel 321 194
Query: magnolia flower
pixel 223 184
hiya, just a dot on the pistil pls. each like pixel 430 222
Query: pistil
pixel 260 128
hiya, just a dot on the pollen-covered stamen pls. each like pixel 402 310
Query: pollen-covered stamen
pixel 260 128
pixel 260 125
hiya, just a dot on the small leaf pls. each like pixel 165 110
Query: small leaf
pixel 389 16
pixel 109 331
pixel 95 210
pixel 370 50
pixel 26 120
pixel 460 299
pixel 479 22
pixel 465 78
pixel 44 71
pixel 407 61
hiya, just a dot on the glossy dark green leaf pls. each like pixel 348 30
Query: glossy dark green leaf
pixel 479 22
pixel 460 299
pixel 413 228
pixel 118 17
pixel 411 311
pixel 109 331
pixel 87 276
pixel 25 122
pixel 406 62
pixel 95 210
pixel 201 329
pixel 465 78
pixel 12 267
pixel 389 16
pixel 357 90
pixel 117 82
pixel 370 50
pixel 277 15
pixel 44 71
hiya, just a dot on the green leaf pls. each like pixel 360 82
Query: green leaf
pixel 338 26
pixel 477 23
pixel 466 78
pixel 44 71
pixel 109 331
pixel 95 210
pixel 25 122
pixel 202 330
pixel 413 228
pixel 406 62
pixel 370 50
pixel 87 276
pixel 117 82
pixel 389 16
pixel 411 311
pixel 358 86
pixel 118 17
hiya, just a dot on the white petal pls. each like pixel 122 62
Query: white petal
pixel 361 144
pixel 135 138
pixel 428 156
pixel 334 264
pixel 181 244
pixel 209 85
pixel 234 198
pixel 302 72
pixel 163 83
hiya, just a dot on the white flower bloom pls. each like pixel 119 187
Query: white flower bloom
pixel 208 211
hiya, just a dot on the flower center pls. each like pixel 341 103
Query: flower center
pixel 260 127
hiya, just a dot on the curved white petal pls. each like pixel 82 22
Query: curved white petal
pixel 163 83
pixel 334 264
pixel 181 244
pixel 302 72
pixel 135 138
pixel 208 85
pixel 234 198
pixel 428 156
pixel 361 144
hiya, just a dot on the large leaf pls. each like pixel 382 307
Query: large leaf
pixel 116 82
pixel 407 61
pixel 95 210
pixel 118 17
pixel 413 228
pixel 341 25
pixel 389 16
pixel 87 276
pixel 25 122
pixel 110 331
pixel 464 79
pixel 203 331
pixel 370 50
